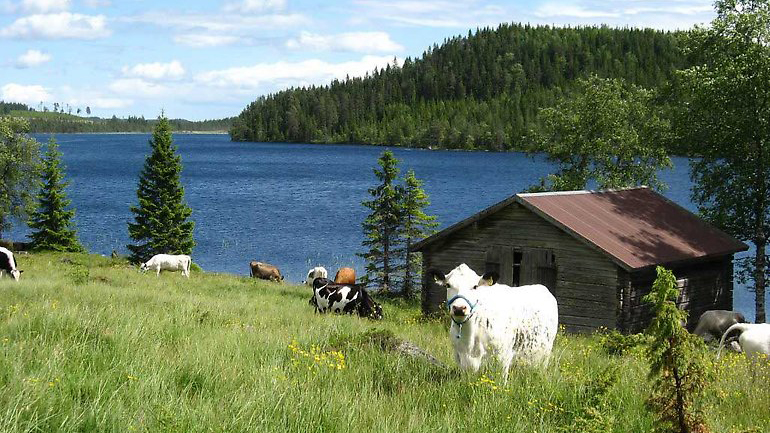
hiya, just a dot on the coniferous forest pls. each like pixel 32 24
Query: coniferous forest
pixel 480 91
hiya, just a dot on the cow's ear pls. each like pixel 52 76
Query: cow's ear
pixel 437 277
pixel 21 271
pixel 489 279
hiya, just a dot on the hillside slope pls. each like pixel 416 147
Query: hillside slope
pixel 88 344
pixel 482 90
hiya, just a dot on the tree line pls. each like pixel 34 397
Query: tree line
pixel 60 122
pixel 479 91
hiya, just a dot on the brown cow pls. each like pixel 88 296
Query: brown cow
pixel 345 276
pixel 265 271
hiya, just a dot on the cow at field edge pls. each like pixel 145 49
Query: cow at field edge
pixel 343 298
pixel 713 323
pixel 317 272
pixel 265 271
pixel 345 276
pixel 8 264
pixel 168 262
pixel 498 320
pixel 754 338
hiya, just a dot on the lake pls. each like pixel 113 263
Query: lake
pixel 293 205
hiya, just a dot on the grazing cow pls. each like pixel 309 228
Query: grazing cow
pixel 317 272
pixel 8 264
pixel 713 323
pixel 509 322
pixel 345 276
pixel 265 271
pixel 754 338
pixel 343 298
pixel 168 262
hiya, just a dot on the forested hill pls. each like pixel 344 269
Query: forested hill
pixel 478 91
pixel 46 121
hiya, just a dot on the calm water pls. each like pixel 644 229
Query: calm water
pixel 294 205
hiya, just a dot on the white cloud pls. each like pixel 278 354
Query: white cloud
pixel 561 10
pixel 156 71
pixel 63 25
pixel 220 23
pixel 138 87
pixel 98 4
pixel 271 76
pixel 361 42
pixel 45 6
pixel 30 95
pixel 669 15
pixel 32 58
pixel 430 13
pixel 248 6
pixel 197 40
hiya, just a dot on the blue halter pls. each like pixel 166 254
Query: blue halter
pixel 449 308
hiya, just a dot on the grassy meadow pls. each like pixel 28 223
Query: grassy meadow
pixel 88 344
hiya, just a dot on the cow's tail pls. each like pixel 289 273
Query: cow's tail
pixel 189 266
pixel 740 327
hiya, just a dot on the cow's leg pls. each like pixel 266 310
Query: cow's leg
pixel 158 274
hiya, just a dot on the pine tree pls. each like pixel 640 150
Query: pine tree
pixel 677 364
pixel 415 226
pixel 382 226
pixel 52 222
pixel 161 218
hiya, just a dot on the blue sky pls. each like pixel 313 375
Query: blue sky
pixel 203 59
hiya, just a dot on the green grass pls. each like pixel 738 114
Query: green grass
pixel 89 344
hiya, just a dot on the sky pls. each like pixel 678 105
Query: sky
pixel 208 59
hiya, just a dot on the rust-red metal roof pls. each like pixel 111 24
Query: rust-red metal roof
pixel 637 227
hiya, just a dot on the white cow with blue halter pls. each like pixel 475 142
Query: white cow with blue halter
pixel 495 319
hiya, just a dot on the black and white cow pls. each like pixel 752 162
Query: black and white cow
pixel 329 296
pixel 8 264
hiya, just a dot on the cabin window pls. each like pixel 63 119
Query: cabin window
pixel 684 294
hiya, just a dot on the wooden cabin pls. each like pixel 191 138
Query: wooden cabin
pixel 595 250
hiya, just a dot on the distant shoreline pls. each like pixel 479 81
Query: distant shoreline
pixel 132 133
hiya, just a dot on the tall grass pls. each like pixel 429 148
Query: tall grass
pixel 89 344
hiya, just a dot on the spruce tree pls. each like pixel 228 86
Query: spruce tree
pixel 52 222
pixel 161 218
pixel 677 363
pixel 415 226
pixel 382 226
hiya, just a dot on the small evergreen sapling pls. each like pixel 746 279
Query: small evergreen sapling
pixel 677 362
pixel 51 223
pixel 161 218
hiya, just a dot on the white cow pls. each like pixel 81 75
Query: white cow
pixel 508 322
pixel 8 264
pixel 317 272
pixel 168 262
pixel 754 338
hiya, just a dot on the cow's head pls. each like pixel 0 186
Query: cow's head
pixel 317 272
pixel 461 288
pixel 143 267
pixel 16 274
pixel 368 308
